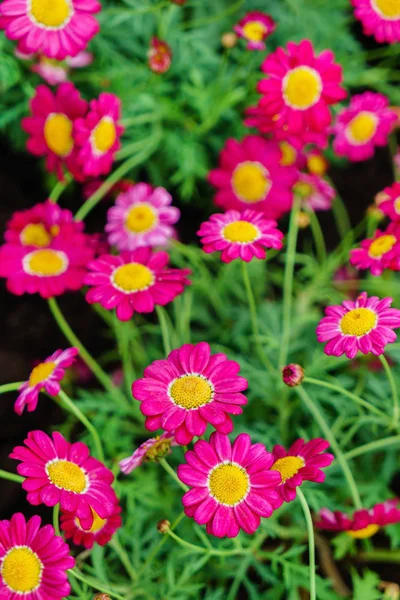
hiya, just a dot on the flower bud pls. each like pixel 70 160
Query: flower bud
pixel 101 597
pixel 303 220
pixel 163 526
pixel 229 40
pixel 292 375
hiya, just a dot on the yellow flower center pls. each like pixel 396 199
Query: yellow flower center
pixel 140 218
pixel 288 466
pixel 362 534
pixel 133 277
pixel 303 189
pixel 382 245
pixel 358 322
pixel 35 234
pixel 229 484
pixel 191 391
pixel 316 164
pixel 159 449
pixel 240 231
pixel 302 88
pixel 41 373
pixel 362 128
pixel 396 205
pixel 289 154
pixel 45 263
pixel 67 476
pixel 388 9
pixel 250 181
pixel 254 31
pixel 98 523
pixel 104 135
pixel 21 570
pixel 58 134
pixel 52 14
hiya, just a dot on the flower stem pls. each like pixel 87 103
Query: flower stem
pixel 88 358
pixel 288 281
pixel 85 422
pixel 10 387
pixel 167 467
pixel 56 514
pixel 123 338
pixel 11 476
pixel 341 217
pixel 253 315
pixel 123 556
pixel 164 329
pixel 372 446
pixel 159 545
pixel 94 584
pixel 317 414
pixel 311 543
pixel 318 237
pixel 340 390
pixel 59 188
pixel 393 387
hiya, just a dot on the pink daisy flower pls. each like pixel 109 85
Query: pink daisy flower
pixel 100 532
pixel 47 271
pixel 39 225
pixel 56 29
pixel 380 18
pixel 366 123
pixel 390 206
pixel 33 561
pixel 250 176
pixel 142 216
pixel 190 389
pixel 59 472
pixel 255 27
pixel 239 235
pixel 232 485
pixel 365 325
pixel 134 282
pixel 46 375
pixel 300 87
pixel 159 56
pixel 315 192
pixel 150 451
pixel 98 135
pixel 363 523
pixel 51 124
pixel 378 253
pixel 302 462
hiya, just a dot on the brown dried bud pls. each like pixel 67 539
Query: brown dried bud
pixel 163 526
pixel 101 597
pixel 229 40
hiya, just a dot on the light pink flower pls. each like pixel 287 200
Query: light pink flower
pixel 380 18
pixel 101 531
pixel 55 72
pixel 159 56
pixel 150 451
pixel 378 253
pixel 315 192
pixel 255 28
pixel 363 523
pixel 365 325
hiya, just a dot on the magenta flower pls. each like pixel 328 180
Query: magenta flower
pixel 56 29
pixel 390 206
pixel 232 485
pixel 101 531
pixel 134 282
pixel 56 471
pixel 150 451
pixel 380 18
pixel 366 123
pixel 365 325
pixel 190 389
pixel 255 28
pixel 97 135
pixel 315 192
pixel 300 88
pixel 33 561
pixel 159 56
pixel 51 124
pixel 239 235
pixel 302 462
pixel 251 176
pixel 46 375
pixel 364 523
pixel 378 253
pixel 142 216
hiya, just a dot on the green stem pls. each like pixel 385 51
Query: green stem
pixel 318 236
pixel 123 338
pixel 10 387
pixel 167 467
pixel 11 476
pixel 85 422
pixel 94 584
pixel 393 387
pixel 123 556
pixel 56 515
pixel 340 390
pixel 164 329
pixel 393 152
pixel 383 556
pixel 341 217
pixel 159 545
pixel 211 552
pixel 253 315
pixel 317 414
pixel 88 358
pixel 311 543
pixel 59 188
pixel 372 446
pixel 288 281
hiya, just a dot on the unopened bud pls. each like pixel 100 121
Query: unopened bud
pixel 163 526
pixel 292 375
pixel 303 220
pixel 102 597
pixel 229 40
pixel 375 213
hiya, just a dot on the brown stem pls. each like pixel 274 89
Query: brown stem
pixel 329 567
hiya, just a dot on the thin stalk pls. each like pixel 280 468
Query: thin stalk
pixel 56 515
pixel 85 422
pixel 288 281
pixel 94 584
pixel 11 476
pixel 59 188
pixel 341 217
pixel 311 543
pixel 318 237
pixel 164 329
pixel 10 387
pixel 167 467
pixel 393 152
pixel 123 339
pixel 88 358
pixel 159 545
pixel 317 414
pixel 393 387
pixel 211 552
pixel 123 556
pixel 372 446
